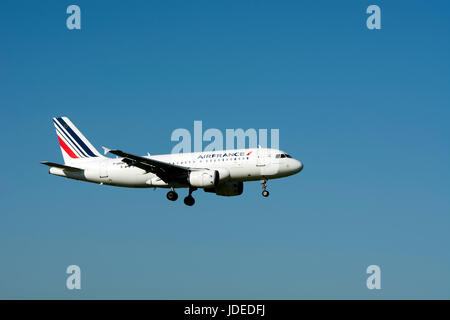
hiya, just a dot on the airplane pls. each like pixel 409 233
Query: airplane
pixel 220 172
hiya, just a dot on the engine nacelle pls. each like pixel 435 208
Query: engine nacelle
pixel 204 178
pixel 227 189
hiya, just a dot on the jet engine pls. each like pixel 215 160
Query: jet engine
pixel 204 178
pixel 227 189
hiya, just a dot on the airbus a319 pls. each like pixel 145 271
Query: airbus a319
pixel 219 172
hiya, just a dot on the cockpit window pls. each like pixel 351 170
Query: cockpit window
pixel 282 155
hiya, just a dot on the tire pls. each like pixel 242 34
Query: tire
pixel 189 201
pixel 265 193
pixel 172 195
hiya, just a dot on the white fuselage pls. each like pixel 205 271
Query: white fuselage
pixel 241 165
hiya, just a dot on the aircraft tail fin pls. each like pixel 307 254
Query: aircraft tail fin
pixel 73 143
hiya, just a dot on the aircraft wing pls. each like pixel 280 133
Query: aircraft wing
pixel 166 171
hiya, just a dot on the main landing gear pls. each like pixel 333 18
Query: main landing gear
pixel 265 193
pixel 172 195
pixel 189 200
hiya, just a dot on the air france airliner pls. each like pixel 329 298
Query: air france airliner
pixel 219 172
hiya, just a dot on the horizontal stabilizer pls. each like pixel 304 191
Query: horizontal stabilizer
pixel 61 166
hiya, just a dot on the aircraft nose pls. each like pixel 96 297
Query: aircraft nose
pixel 298 166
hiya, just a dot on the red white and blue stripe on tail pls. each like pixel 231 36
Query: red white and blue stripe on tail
pixel 73 143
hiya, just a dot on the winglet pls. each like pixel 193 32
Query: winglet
pixel 106 150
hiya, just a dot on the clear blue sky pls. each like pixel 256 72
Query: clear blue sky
pixel 366 111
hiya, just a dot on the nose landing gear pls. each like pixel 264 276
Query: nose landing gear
pixel 265 193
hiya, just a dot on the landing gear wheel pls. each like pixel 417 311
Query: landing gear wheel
pixel 265 193
pixel 189 201
pixel 172 195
